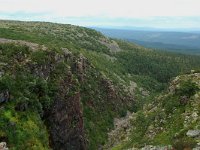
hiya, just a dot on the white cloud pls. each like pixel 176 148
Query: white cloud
pixel 140 13
pixel 107 8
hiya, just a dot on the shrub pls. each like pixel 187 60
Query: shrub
pixel 187 88
pixel 170 103
pixel 184 143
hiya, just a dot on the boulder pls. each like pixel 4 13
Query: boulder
pixel 3 146
pixel 4 96
pixel 184 100
pixel 193 133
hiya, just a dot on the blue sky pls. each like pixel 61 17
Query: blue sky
pixel 107 13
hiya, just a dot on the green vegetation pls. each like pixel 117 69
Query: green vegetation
pixel 185 142
pixel 157 66
pixel 166 120
pixel 187 88
pixel 20 122
pixel 86 66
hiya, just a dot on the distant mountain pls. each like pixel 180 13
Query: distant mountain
pixel 167 47
pixel 183 42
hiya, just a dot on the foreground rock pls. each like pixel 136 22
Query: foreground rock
pixel 193 133
pixel 3 146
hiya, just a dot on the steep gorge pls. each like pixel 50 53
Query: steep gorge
pixel 68 84
pixel 61 86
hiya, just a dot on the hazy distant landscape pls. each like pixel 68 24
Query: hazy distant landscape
pixel 181 42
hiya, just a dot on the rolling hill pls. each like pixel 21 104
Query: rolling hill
pixel 181 42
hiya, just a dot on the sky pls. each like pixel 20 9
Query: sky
pixel 106 13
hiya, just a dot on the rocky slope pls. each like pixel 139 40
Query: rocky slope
pixel 171 121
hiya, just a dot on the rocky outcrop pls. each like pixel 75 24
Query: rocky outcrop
pixel 111 44
pixel 3 146
pixel 121 131
pixel 66 125
pixel 109 88
pixel 81 65
pixel 66 119
pixel 193 133
pixel 33 46
pixel 151 147
pixel 177 108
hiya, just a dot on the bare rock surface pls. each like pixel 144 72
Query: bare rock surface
pixel 33 46
pixel 3 146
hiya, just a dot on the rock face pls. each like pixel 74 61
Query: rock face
pixel 65 86
pixel 66 125
pixel 66 119
pixel 80 66
pixel 110 88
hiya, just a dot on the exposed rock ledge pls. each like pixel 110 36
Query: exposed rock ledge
pixel 3 146
pixel 33 46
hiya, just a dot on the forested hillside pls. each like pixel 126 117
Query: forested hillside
pixel 61 86
pixel 186 42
